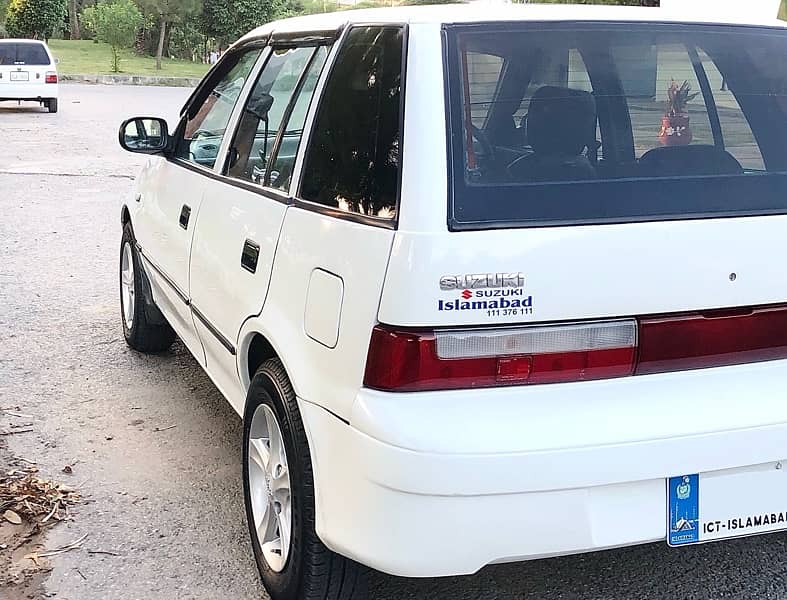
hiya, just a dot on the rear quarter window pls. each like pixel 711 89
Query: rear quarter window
pixel 554 124
pixel 352 164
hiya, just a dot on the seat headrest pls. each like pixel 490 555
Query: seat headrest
pixel 681 161
pixel 561 121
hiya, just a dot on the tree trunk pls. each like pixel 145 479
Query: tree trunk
pixel 161 36
pixel 73 20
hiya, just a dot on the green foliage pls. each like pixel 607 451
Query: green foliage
pixel 116 23
pixel 186 39
pixel 217 20
pixel 89 56
pixel 88 21
pixel 227 20
pixel 783 10
pixel 3 32
pixel 172 11
pixel 166 13
pixel 35 18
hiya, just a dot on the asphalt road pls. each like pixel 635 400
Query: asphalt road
pixel 168 503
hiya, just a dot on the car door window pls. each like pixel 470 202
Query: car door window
pixel 265 111
pixel 280 174
pixel 353 159
pixel 208 117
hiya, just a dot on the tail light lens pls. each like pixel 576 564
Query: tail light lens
pixel 51 77
pixel 413 360
pixel 416 360
pixel 711 340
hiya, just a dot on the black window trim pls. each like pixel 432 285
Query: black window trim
pixel 516 26
pixel 316 207
pixel 305 39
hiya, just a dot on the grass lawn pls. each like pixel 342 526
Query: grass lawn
pixel 87 57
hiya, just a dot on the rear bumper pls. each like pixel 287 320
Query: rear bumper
pixel 435 484
pixel 32 93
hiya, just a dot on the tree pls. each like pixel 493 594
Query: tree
pixel 73 20
pixel 168 12
pixel 116 23
pixel 89 21
pixel 783 10
pixel 227 20
pixel 35 18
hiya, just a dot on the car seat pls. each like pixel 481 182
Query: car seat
pixel 561 125
pixel 681 161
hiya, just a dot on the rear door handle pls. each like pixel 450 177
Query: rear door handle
pixel 250 256
pixel 185 215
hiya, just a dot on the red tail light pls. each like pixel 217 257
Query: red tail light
pixel 51 77
pixel 410 360
pixel 711 340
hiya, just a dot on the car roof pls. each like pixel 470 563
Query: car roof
pixel 680 11
pixel 21 41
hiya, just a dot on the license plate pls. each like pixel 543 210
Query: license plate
pixel 20 76
pixel 705 507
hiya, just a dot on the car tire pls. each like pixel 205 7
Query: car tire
pixel 140 333
pixel 304 569
pixel 51 105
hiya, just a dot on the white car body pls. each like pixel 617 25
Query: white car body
pixel 33 82
pixel 435 483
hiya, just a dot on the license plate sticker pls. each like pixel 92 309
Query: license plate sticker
pixel 684 510
pixel 20 76
pixel 704 507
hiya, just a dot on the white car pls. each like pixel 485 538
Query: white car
pixel 28 72
pixel 486 283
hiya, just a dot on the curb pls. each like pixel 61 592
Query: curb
pixel 132 80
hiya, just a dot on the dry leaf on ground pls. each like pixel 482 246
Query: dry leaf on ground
pixel 25 495
pixel 12 517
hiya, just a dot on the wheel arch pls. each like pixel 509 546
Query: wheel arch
pixel 254 348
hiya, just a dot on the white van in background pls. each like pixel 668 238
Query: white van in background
pixel 28 73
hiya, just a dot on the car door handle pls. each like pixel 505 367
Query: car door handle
pixel 250 256
pixel 185 215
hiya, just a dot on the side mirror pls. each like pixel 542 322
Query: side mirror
pixel 144 135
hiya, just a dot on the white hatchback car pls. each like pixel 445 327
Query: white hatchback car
pixel 486 284
pixel 28 73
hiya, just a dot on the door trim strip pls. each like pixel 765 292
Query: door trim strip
pixel 180 293
pixel 212 328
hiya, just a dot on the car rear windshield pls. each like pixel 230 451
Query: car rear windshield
pixel 553 124
pixel 23 54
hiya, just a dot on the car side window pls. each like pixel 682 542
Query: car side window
pixel 281 172
pixel 208 117
pixel 353 159
pixel 264 121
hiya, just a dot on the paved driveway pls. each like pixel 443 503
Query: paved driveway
pixel 168 502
